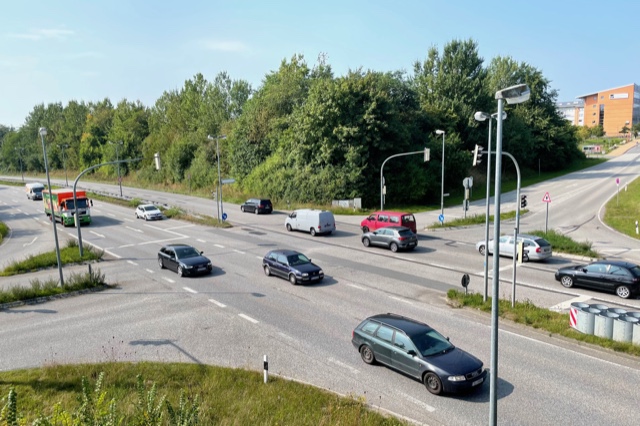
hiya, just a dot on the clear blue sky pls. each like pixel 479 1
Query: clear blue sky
pixel 62 50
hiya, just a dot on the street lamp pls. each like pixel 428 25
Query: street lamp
pixel 20 150
pixel 219 195
pixel 64 163
pixel 118 160
pixel 513 95
pixel 43 133
pixel 441 132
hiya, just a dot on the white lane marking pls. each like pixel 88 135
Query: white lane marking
pixel 400 300
pixel 200 241
pixel 131 262
pixel 403 257
pixel 567 303
pixel 168 279
pixel 32 241
pixel 111 214
pixel 180 227
pixel 356 286
pixel 126 245
pixel 190 290
pixel 248 318
pixel 259 257
pixel 238 251
pixel 135 229
pixel 36 218
pixel 163 241
pixel 420 403
pixel 343 365
pixel 215 302
pixel 219 246
pixel 95 233
pixel 113 254
pixel 151 271
pixel 19 210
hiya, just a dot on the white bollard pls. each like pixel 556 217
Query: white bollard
pixel 636 227
pixel 266 369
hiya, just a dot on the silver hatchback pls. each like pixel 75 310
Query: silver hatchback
pixel 392 237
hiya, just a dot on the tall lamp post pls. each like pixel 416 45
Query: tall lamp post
pixel 64 163
pixel 442 132
pixel 117 160
pixel 219 195
pixel 513 95
pixel 20 150
pixel 43 133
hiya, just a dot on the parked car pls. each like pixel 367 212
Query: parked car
pixel 257 206
pixel 184 259
pixel 392 237
pixel 148 212
pixel 311 220
pixel 293 266
pixel 617 276
pixel 415 349
pixel 381 219
pixel 535 248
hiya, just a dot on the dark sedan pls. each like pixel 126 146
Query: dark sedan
pixel 622 278
pixel 392 237
pixel 417 350
pixel 257 206
pixel 184 259
pixel 293 266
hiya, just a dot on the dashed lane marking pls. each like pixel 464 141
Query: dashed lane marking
pixel 215 302
pixel 248 318
pixel 190 290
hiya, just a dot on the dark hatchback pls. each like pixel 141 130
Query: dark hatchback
pixel 184 259
pixel 416 349
pixel 619 277
pixel 257 206
pixel 293 266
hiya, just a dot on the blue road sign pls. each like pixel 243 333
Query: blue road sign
pixel 224 216
pixel 441 218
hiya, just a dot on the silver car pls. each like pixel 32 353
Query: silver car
pixel 535 248
pixel 392 237
pixel 148 212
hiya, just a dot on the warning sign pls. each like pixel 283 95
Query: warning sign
pixel 546 198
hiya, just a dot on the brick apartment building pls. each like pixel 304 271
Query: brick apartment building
pixel 612 109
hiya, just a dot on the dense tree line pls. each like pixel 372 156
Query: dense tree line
pixel 306 135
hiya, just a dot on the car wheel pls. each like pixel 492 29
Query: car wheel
pixel 288 227
pixel 160 263
pixel 146 218
pixel 365 229
pixel 180 271
pixel 525 257
pixel 292 279
pixel 481 249
pixel 433 383
pixel 566 281
pixel 313 232
pixel 267 270
pixel 623 291
pixel 393 247
pixel 367 355
pixel 242 209
pixel 366 242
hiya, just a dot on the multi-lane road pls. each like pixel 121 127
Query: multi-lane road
pixel 237 315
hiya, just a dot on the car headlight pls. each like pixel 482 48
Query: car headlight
pixel 456 378
pixel 306 274
pixel 209 264
pixel 321 272
pixel 188 266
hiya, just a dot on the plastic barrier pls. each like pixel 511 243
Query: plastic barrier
pixel 574 318
pixel 635 339
pixel 603 326
pixel 599 306
pixel 623 328
pixel 618 311
pixel 633 314
pixel 586 320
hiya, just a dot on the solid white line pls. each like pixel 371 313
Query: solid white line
pixel 32 241
pixel 238 251
pixel 215 302
pixel 420 403
pixel 190 290
pixel 132 262
pixel 401 300
pixel 248 318
pixel 342 364
pixel 218 245
pixel 113 254
pixel 356 286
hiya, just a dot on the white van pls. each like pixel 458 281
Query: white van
pixel 311 220
pixel 34 190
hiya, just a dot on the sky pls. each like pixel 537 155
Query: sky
pixel 63 50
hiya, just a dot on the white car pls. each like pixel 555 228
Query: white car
pixel 535 248
pixel 148 212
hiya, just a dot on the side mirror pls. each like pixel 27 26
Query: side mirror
pixel 411 352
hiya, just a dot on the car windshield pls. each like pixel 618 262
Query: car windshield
pixel 431 343
pixel 82 204
pixel 297 259
pixel 185 252
pixel 150 208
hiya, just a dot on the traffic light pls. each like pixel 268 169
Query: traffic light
pixel 523 201
pixel 477 155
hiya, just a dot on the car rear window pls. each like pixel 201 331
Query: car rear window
pixel 406 233
pixel 408 218
pixel 635 270
pixel 370 327
pixel 542 242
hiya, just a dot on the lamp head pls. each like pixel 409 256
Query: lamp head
pixel 43 131
pixel 514 94
pixel 504 115
pixel 439 132
pixel 210 137
pixel 222 137
pixel 481 116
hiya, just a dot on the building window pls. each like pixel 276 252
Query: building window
pixel 601 96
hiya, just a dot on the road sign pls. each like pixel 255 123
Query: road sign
pixel 546 198
pixel 224 216
pixel 617 181
pixel 441 218
pixel 226 181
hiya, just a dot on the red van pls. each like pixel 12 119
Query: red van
pixel 386 218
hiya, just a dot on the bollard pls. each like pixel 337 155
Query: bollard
pixel 574 316
pixel 599 306
pixel 635 339
pixel 586 320
pixel 603 326
pixel 266 369
pixel 618 311
pixel 623 328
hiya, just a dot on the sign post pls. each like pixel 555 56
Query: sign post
pixel 546 199
pixel 618 191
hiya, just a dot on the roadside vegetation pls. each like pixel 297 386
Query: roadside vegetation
pixel 173 394
pixel 623 210
pixel 4 231
pixel 526 313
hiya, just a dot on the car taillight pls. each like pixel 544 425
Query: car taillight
pixel 538 250
pixel 402 238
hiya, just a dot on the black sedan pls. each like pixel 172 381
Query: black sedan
pixel 417 350
pixel 184 259
pixel 293 266
pixel 620 277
